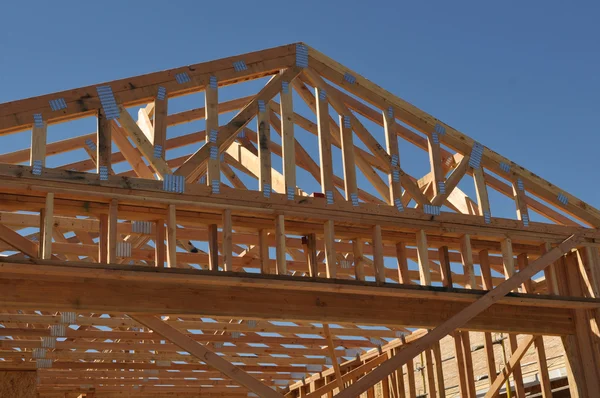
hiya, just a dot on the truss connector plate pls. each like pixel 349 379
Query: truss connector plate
pixel 174 183
pixel 285 87
pixel 487 217
pixel 329 197
pixel 158 149
pixel 213 82
pixel 38 353
pixel 267 190
pixel 525 219
pixel 215 186
pixel 91 144
pixel 505 167
pixel 239 66
pixel 58 330
pixel 68 318
pixel 103 173
pixel 182 78
pixel 38 120
pixel 291 193
pixel 398 204
pixel 141 227
pixel 442 187
pixel 36 170
pixel 349 78
pixel 441 130
pixel 108 102
pixel 301 56
pixel 43 363
pixel 48 342
pixel 347 123
pixel 261 106
pixel 476 154
pixel 354 199
pixel 123 249
pixel 161 94
pixel 431 209
pixel 57 104
pixel 563 199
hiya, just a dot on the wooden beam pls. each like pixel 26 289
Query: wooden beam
pixel 350 186
pixel 332 355
pixel 205 355
pixel 514 360
pixel 211 120
pixel 103 144
pixel 265 183
pixel 445 269
pixel 325 159
pixel 391 141
pixel 19 242
pixel 159 126
pixel 142 143
pixel 460 319
pixel 38 143
pixel 288 142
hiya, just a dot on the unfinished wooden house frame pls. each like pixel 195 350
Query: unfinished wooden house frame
pixel 279 244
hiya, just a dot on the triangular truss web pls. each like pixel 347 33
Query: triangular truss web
pixel 286 125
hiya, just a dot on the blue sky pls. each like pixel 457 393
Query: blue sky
pixel 520 77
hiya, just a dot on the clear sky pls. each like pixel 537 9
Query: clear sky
pixel 519 76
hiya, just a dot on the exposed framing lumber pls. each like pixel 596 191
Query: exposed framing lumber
pixel 510 366
pixel 459 319
pixel 209 357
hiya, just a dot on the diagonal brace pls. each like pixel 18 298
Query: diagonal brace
pixel 460 319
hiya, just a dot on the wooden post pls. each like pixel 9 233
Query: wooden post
pixel 103 144
pixel 112 231
pixel 46 239
pixel 280 245
pixel 324 143
pixel 391 141
pixel 403 274
pixel 264 153
pixel 423 258
pixel 103 239
pixel 349 164
pixel 445 270
pixel 171 237
pixel 310 248
pixel 263 247
pixel 211 101
pixel 330 258
pixel 359 261
pixel 38 143
pixel 378 263
pixel 161 109
pixel 213 247
pixel 159 243
pixel 227 241
pixel 288 142
pixel 467 260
